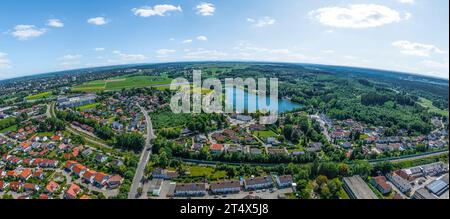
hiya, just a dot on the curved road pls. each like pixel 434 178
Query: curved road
pixel 146 152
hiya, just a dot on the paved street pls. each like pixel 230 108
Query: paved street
pixel 144 157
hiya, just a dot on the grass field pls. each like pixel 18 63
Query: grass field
pixel 209 172
pixel 428 104
pixel 87 106
pixel 122 83
pixel 9 129
pixel 39 96
pixel 265 134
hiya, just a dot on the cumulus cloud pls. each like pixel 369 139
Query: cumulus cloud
pixel 202 38
pixel 206 9
pixel 99 49
pixel 25 32
pixel 55 23
pixel 97 21
pixel 205 54
pixel 262 22
pixel 165 52
pixel 358 16
pixel 416 49
pixel 71 57
pixel 157 10
pixel 4 61
pixel 186 41
pixel 125 58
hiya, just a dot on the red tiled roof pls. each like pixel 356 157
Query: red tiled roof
pixel 52 186
pixel 216 147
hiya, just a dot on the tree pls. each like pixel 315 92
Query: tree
pixel 131 141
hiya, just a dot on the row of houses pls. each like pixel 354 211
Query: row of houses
pixel 233 186
pixel 88 176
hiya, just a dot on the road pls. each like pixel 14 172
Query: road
pixel 322 124
pixel 75 130
pixel 146 152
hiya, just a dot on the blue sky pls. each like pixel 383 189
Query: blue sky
pixel 51 35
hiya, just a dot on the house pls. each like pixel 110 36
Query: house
pixel 25 174
pixel 51 187
pixel 402 184
pixel 216 148
pixel 159 173
pixel 155 187
pixel 30 187
pixel 88 176
pixel 69 165
pixel 225 187
pixel 86 152
pixel 315 147
pixel 114 181
pixel 258 183
pixel 284 181
pixel 39 174
pixel 101 158
pixel 100 179
pixel 3 185
pixel 78 170
pixel 380 183
pixel 190 190
pixel 43 196
pixel 72 192
pixel 85 197
pixel 15 186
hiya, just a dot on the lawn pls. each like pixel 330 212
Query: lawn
pixel 87 106
pixel 208 172
pixel 167 119
pixel 432 109
pixel 39 96
pixel 265 134
pixel 9 129
pixel 122 83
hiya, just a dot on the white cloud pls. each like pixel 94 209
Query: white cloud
pixel 165 52
pixel 71 60
pixel 262 22
pixel 358 16
pixel 436 64
pixel 99 49
pixel 97 21
pixel 157 10
pixel 186 41
pixel 55 23
pixel 25 32
pixel 125 58
pixel 4 61
pixel 328 51
pixel 202 38
pixel 202 54
pixel 206 9
pixel 416 49
pixel 407 1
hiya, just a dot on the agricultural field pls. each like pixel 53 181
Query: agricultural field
pixel 38 96
pixel 122 83
pixel 429 104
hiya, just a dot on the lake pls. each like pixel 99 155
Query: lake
pixel 242 97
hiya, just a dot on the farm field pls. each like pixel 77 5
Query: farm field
pixel 39 96
pixel 121 83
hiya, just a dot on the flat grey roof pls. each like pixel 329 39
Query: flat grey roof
pixel 359 188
